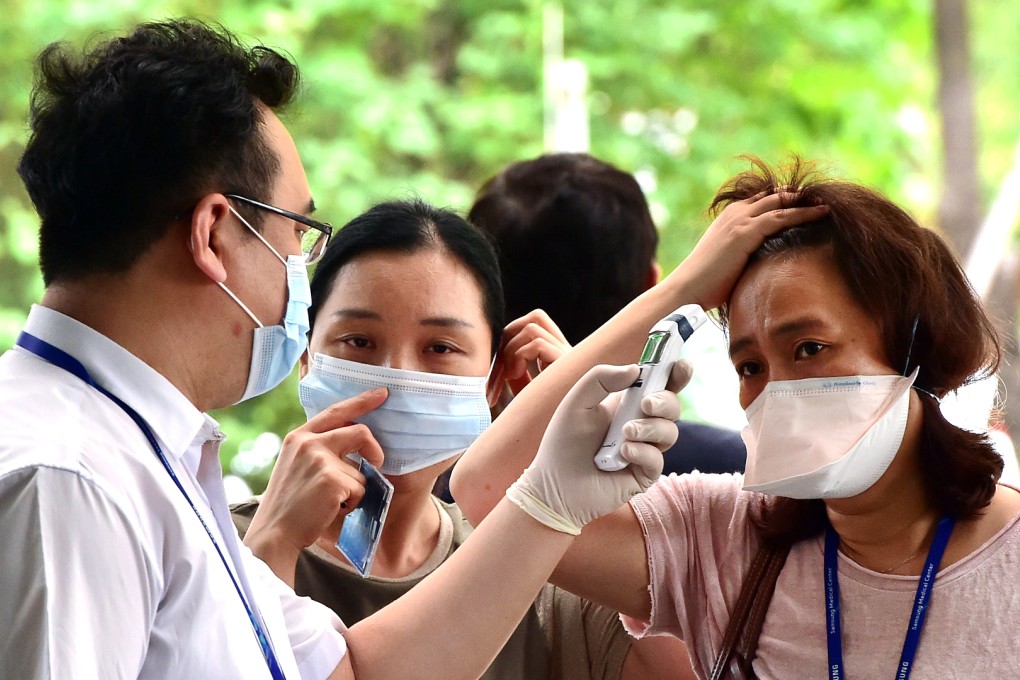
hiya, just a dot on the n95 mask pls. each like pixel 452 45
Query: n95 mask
pixel 825 437
pixel 427 417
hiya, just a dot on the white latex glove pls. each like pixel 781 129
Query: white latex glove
pixel 562 488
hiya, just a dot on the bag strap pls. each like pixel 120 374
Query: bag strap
pixel 741 639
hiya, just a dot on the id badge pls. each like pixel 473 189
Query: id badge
pixel 362 528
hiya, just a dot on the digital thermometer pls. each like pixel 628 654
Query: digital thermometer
pixel 661 350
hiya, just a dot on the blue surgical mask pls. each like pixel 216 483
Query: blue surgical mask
pixel 276 349
pixel 426 419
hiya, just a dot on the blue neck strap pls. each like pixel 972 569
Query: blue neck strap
pixel 921 600
pixel 61 359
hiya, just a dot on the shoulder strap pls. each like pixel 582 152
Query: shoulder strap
pixel 741 639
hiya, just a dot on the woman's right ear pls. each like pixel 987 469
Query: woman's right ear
pixel 204 240
pixel 303 364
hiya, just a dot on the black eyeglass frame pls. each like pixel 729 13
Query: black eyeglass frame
pixel 324 228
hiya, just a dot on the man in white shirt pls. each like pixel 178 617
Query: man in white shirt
pixel 174 238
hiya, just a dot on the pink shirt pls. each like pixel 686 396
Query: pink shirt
pixel 700 545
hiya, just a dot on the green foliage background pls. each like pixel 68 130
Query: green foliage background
pixel 430 97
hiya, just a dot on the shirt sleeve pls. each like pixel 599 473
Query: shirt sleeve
pixel 699 540
pixel 314 631
pixel 77 592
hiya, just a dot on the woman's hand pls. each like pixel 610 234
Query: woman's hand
pixel 314 485
pixel 562 488
pixel 712 269
pixel 529 345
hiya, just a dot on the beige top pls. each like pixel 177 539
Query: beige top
pixel 562 637
pixel 701 543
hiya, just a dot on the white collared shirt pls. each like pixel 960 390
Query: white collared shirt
pixel 105 570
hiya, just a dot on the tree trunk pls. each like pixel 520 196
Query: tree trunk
pixel 960 207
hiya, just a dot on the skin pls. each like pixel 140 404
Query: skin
pixel 793 317
pixel 881 526
pixel 147 307
pixel 533 342
pixel 617 578
pixel 423 311
pixel 168 310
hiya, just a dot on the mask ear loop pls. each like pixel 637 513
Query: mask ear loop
pixel 906 365
pixel 910 346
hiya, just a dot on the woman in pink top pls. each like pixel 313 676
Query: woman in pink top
pixel 847 323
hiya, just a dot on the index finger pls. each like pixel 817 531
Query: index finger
pixel 538 317
pixel 353 438
pixel 344 412
pixel 768 201
pixel 784 218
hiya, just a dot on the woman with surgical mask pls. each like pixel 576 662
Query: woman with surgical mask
pixel 408 298
pixel 894 552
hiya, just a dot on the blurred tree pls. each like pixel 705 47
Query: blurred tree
pixel 960 208
pixel 432 96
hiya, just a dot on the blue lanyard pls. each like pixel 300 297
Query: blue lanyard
pixel 924 588
pixel 61 359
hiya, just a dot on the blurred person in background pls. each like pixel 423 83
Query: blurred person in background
pixel 576 242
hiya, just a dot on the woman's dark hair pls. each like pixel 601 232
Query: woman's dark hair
pixel 574 235
pixel 131 133
pixel 897 271
pixel 407 227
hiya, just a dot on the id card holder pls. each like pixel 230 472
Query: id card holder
pixel 362 528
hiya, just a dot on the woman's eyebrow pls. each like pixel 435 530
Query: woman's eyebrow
pixel 445 321
pixel 356 313
pixel 792 327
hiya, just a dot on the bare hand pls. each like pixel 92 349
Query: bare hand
pixel 314 485
pixel 717 261
pixel 529 345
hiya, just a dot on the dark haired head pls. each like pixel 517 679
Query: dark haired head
pixel 897 271
pixel 574 235
pixel 131 134
pixel 408 227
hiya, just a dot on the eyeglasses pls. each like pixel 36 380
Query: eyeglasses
pixel 313 241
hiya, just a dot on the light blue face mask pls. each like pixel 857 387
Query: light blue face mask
pixel 426 419
pixel 276 349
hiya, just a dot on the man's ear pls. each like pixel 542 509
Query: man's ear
pixel 303 364
pixel 654 274
pixel 205 243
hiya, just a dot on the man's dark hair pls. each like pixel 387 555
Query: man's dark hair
pixel 128 135
pixel 574 237
pixel 409 227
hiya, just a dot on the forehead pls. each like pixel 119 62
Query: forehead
pixel 291 187
pixel 778 290
pixel 403 287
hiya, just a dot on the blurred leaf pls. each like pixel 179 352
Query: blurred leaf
pixel 430 97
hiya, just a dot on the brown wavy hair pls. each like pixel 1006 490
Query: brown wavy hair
pixel 897 271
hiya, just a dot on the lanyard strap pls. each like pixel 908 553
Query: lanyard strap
pixel 921 599
pixel 62 359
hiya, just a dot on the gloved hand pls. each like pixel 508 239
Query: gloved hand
pixel 562 488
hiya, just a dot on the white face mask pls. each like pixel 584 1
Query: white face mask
pixel 426 419
pixel 825 437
